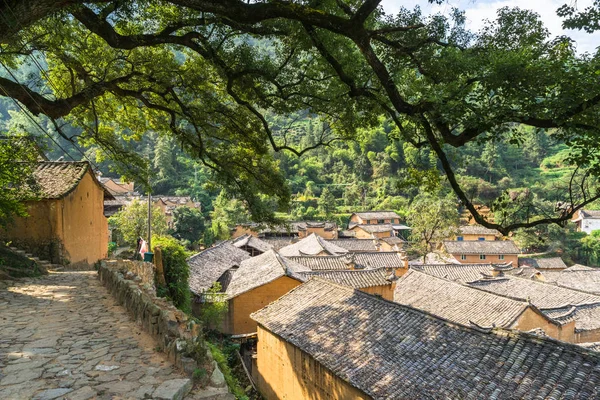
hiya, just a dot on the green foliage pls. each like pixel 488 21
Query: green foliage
pixel 432 220
pixel 132 222
pixel 214 310
pixel 17 155
pixel 188 224
pixel 112 246
pixel 226 213
pixel 176 272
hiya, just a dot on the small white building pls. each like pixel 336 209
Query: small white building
pixel 587 220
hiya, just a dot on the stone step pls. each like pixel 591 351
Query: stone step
pixel 212 393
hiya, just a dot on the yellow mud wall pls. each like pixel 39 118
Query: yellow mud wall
pixel 587 336
pixel 385 291
pixel 530 319
pixel 476 237
pixel 331 234
pixel 84 226
pixel 238 319
pixel 286 372
pixel 489 258
pixel 242 230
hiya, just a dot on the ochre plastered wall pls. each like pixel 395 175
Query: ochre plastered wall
pixel 531 319
pixel 362 234
pixel 489 258
pixel 385 291
pixel 84 226
pixel 286 372
pixel 238 319
pixel 241 230
pixel 587 336
pixel 469 236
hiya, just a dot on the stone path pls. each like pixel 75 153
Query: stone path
pixel 62 336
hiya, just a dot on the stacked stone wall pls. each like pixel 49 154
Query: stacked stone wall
pixel 179 336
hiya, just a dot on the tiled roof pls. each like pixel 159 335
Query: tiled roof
pixel 481 247
pixel 456 302
pixel 312 245
pixel 376 215
pixel 580 277
pixel 277 243
pixel 543 263
pixel 251 241
pixel 434 258
pixel 375 228
pixel 542 295
pixel 357 279
pixel 477 230
pixel 207 266
pixel 260 270
pixel 589 214
pixel 290 227
pixel 355 244
pixel 367 260
pixel 587 317
pixel 56 179
pixel 393 240
pixel 456 272
pixel 391 351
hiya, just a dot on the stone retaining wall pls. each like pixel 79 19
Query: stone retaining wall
pixel 176 333
pixel 144 271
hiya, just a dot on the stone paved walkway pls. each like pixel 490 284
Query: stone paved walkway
pixel 62 336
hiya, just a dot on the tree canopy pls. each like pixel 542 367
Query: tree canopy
pixel 222 77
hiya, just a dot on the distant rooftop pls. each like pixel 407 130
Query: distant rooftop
pixel 481 247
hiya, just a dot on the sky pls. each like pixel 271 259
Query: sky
pixel 477 11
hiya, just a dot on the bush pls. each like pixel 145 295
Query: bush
pixel 176 272
pixel 112 246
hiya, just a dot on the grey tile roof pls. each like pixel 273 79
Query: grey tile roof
pixel 477 230
pixel 579 277
pixel 292 227
pixel 312 245
pixel 376 215
pixel 367 260
pixel 357 279
pixel 277 243
pixel 391 351
pixel 355 244
pixel 262 269
pixel 543 263
pixel 434 258
pixel 374 228
pixel 251 241
pixel 207 266
pixel 456 272
pixel 481 247
pixel 456 302
pixel 542 295
pixel 56 179
pixel 589 214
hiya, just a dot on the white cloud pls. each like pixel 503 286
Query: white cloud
pixel 479 10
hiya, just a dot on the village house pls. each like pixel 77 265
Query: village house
pixel 483 210
pixel 477 232
pixel 378 281
pixel 116 187
pixel 257 282
pixel 66 222
pixel 289 230
pixel 357 245
pixel 327 341
pixel 478 251
pixel 215 264
pixel 251 244
pixel 312 245
pixel 550 263
pixel 469 306
pixel 168 204
pixel 376 224
pixel 587 220
pixel 557 303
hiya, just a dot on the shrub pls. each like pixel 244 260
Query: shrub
pixel 176 272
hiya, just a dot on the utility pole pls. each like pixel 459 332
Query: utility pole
pixel 149 220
